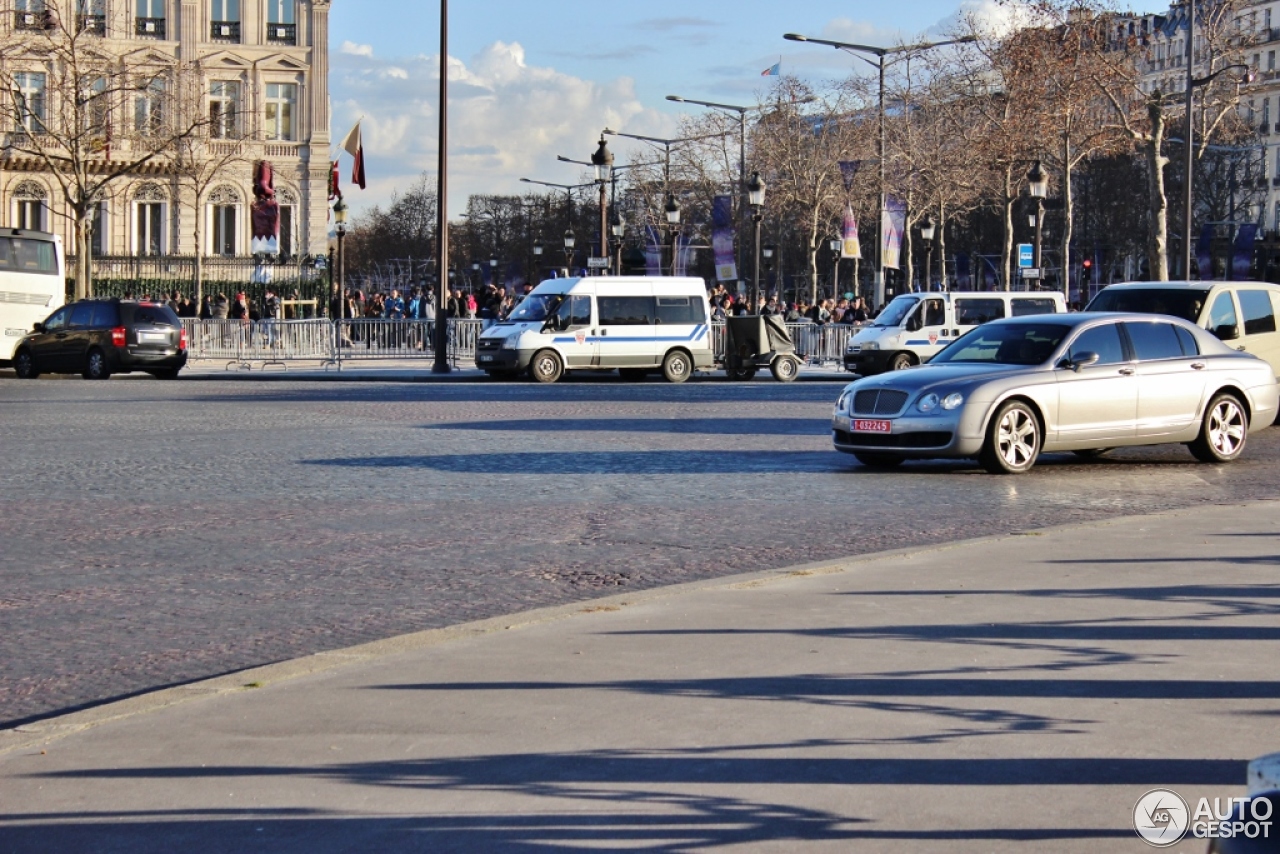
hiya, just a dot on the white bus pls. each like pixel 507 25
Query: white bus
pixel 33 283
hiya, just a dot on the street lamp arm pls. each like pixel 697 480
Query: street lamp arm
pixel 667 142
pixel 1209 78
pixel 712 104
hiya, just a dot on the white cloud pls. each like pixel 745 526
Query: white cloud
pixel 507 120
pixel 353 49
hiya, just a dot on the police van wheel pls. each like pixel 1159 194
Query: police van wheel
pixel 900 361
pixel 677 366
pixel 546 366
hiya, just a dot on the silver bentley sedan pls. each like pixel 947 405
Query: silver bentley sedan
pixel 1084 383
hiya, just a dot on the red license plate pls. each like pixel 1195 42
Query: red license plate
pixel 872 426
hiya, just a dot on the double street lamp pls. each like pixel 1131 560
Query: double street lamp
pixel 879 53
pixel 673 225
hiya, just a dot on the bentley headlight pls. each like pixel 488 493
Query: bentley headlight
pixel 952 400
pixel 928 403
pixel 842 400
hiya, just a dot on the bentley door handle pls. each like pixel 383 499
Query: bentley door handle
pixel 1197 366
pixel 1126 372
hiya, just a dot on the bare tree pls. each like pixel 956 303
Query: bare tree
pixel 67 101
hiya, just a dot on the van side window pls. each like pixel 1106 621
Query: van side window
pixel 573 311
pixel 625 311
pixel 972 312
pixel 81 314
pixel 684 310
pixel 1023 306
pixel 1256 308
pixel 1222 315
pixel 934 315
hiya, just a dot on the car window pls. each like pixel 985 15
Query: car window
pixel 1154 340
pixel 972 312
pixel 574 311
pixel 1024 306
pixel 58 320
pixel 105 315
pixel 1255 305
pixel 81 314
pixel 681 310
pixel 625 311
pixel 933 313
pixel 148 314
pixel 1190 346
pixel 1005 344
pixel 1222 313
pixel 1103 340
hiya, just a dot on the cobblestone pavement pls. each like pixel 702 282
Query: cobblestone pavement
pixel 153 533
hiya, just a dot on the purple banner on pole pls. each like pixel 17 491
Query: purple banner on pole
pixel 1204 252
pixel 1242 258
pixel 722 239
pixel 893 221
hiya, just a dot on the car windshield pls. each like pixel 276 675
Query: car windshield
pixel 536 307
pixel 1184 303
pixel 895 312
pixel 1005 344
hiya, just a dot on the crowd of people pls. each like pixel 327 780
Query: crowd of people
pixel 843 310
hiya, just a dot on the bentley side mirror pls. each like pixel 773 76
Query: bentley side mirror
pixel 1084 360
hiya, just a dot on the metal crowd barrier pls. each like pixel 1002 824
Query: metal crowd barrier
pixel 242 343
pixel 818 344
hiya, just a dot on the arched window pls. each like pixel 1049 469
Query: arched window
pixel 30 205
pixel 224 216
pixel 150 218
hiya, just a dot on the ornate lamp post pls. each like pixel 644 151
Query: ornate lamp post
pixel 927 229
pixel 755 196
pixel 619 230
pixel 1038 182
pixel 602 160
pixel 834 243
pixel 673 224
pixel 537 256
pixel 569 242
pixel 340 219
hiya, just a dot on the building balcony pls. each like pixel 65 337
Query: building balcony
pixel 282 33
pixel 95 24
pixel 149 27
pixel 225 31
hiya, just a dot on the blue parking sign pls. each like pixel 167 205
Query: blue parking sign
pixel 1026 256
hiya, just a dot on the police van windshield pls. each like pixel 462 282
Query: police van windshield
pixel 896 312
pixel 536 308
pixel 1186 303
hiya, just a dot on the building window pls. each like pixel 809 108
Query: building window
pixel 225 20
pixel 150 18
pixel 224 109
pixel 148 109
pixel 30 14
pixel 224 206
pixel 1271 60
pixel 91 16
pixel 281 23
pixel 30 203
pixel 282 99
pixel 29 90
pixel 98 238
pixel 150 234
pixel 1266 113
pixel 95 110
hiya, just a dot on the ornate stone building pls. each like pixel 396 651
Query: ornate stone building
pixel 260 71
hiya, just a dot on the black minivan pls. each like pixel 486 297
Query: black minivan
pixel 101 337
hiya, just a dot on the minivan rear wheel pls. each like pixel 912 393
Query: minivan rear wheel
pixel 95 365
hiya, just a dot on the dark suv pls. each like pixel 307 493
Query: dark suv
pixel 101 337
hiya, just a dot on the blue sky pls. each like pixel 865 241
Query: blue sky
pixel 530 80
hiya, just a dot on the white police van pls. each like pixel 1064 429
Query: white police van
pixel 913 327
pixel 634 324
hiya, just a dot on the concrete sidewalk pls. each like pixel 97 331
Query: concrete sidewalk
pixel 1010 693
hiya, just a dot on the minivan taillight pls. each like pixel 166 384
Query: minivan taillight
pixel 182 339
pixel 118 336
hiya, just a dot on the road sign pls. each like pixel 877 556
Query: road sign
pixel 1026 255
pixel 1030 272
pixel 598 263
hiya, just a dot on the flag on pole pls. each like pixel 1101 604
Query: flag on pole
pixel 893 221
pixel 353 146
pixel 850 247
pixel 773 70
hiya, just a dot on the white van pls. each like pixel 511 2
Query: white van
pixel 1243 314
pixel 913 327
pixel 634 324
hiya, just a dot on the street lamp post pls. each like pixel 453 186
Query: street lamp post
pixel 340 219
pixel 537 256
pixel 755 196
pixel 880 53
pixel 602 160
pixel 619 230
pixel 1038 182
pixel 927 229
pixel 441 363
pixel 673 223
pixel 569 242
